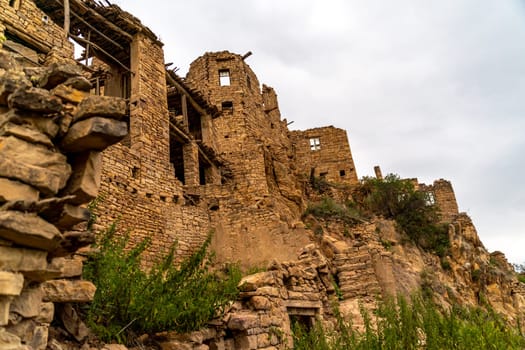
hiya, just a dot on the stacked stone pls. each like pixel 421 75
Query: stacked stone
pixel 51 135
pixel 356 274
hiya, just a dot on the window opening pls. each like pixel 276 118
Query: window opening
pixel 227 106
pixel 224 77
pixel 315 144
pixel 176 158
pixel 15 4
pixel 342 173
pixel 431 199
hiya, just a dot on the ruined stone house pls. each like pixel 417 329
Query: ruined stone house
pixel 210 152
pixel 203 152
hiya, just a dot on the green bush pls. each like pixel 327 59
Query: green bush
pixel 329 208
pixel 168 297
pixel 414 324
pixel 412 210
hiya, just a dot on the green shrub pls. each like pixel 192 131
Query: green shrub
pixel 412 210
pixel 329 208
pixel 167 297
pixel 414 324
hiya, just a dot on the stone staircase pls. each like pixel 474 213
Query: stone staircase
pixel 356 274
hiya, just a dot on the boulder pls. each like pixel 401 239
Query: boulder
pixel 72 322
pixel 84 182
pixel 11 190
pixel 5 305
pixel 66 267
pixel 26 133
pixel 28 303
pixel 79 83
pixel 28 230
pixel 252 282
pixel 101 106
pixel 10 341
pixel 11 283
pixel 69 94
pixel 33 164
pixel 45 125
pixel 71 216
pixel 47 313
pixel 242 321
pixel 68 291
pixel 11 81
pixel 7 61
pixel 35 100
pixel 93 134
pixel 22 260
pixel 57 74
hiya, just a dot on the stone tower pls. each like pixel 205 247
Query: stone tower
pixel 249 130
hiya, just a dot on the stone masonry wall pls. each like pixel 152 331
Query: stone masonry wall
pixel 444 197
pixel 138 183
pixel 238 128
pixel 330 155
pixel 26 21
pixel 51 135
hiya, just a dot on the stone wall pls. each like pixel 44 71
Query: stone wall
pixel 51 135
pixel 326 150
pixel 139 186
pixel 443 195
pixel 22 22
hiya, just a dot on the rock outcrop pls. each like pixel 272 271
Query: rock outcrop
pixel 50 138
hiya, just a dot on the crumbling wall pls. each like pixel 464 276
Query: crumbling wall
pixel 139 186
pixel 51 136
pixel 29 32
pixel 327 151
pixel 442 194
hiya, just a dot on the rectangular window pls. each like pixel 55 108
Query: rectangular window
pixel 227 106
pixel 315 144
pixel 342 173
pixel 224 77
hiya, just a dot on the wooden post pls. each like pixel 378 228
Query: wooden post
pixel 66 17
pixel 185 113
pixel 87 47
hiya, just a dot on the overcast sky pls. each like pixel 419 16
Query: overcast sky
pixel 426 89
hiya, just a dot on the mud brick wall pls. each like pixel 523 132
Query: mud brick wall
pixel 26 21
pixel 333 158
pixel 138 182
pixel 51 135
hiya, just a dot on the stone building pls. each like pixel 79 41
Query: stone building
pixel 326 152
pixel 203 152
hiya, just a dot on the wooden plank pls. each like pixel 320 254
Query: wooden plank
pixel 66 17
pixel 184 104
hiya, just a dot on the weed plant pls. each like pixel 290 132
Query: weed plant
pixel 414 324
pixel 181 297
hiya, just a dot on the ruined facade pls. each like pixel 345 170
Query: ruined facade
pixel 211 153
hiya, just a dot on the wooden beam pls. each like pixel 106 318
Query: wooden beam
pixel 66 17
pixel 181 88
pixel 184 104
pixel 84 9
pixel 181 134
pixel 95 46
pixel 39 45
pixel 97 31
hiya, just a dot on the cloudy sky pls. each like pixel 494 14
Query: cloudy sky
pixel 426 89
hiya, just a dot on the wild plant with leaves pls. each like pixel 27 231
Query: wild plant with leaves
pixel 417 323
pixel 182 297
